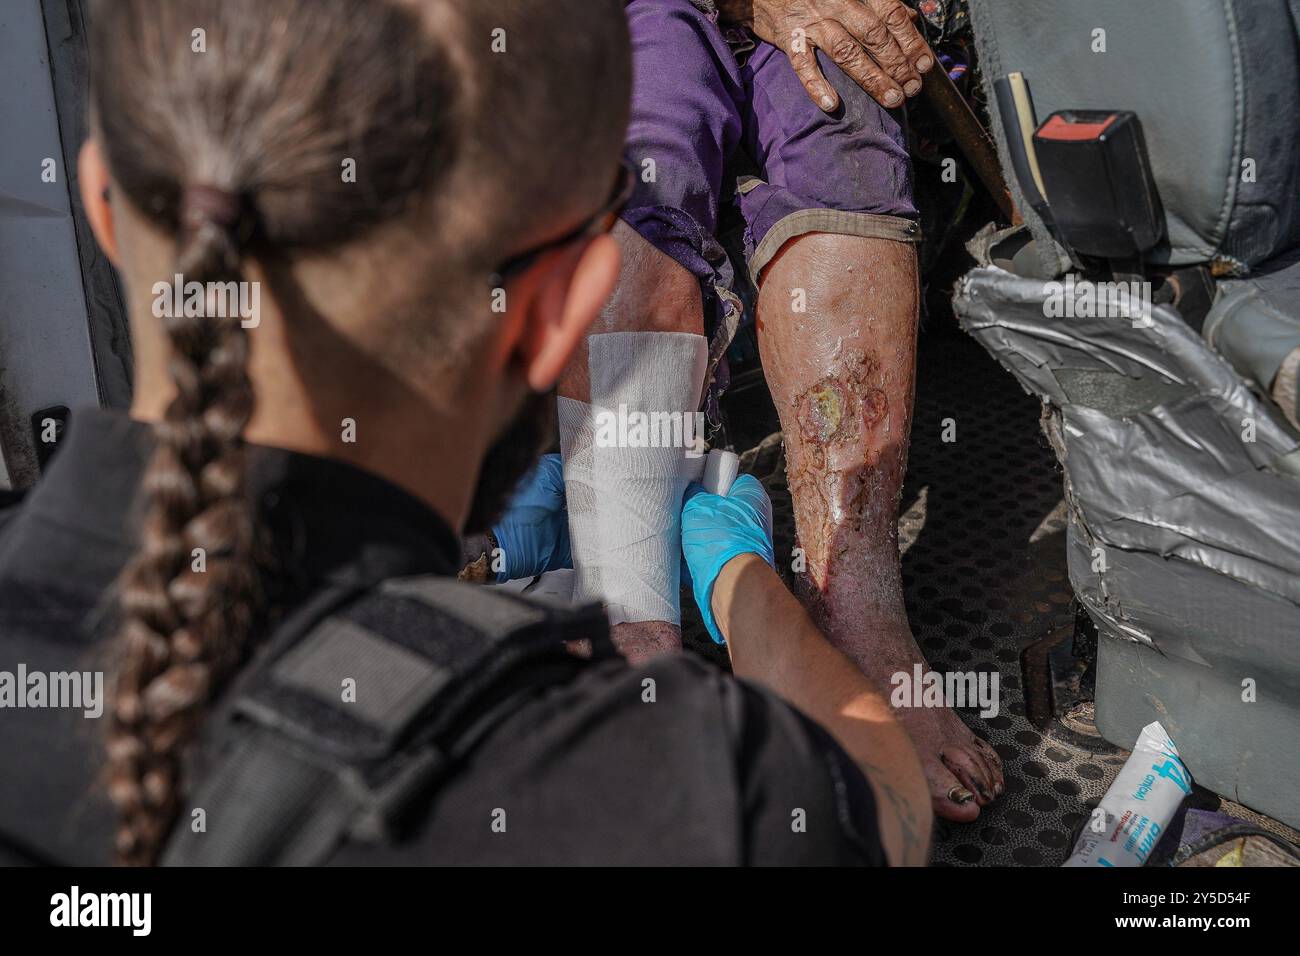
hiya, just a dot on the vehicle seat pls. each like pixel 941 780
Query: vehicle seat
pixel 1182 478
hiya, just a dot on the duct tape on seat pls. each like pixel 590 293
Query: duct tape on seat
pixel 1166 450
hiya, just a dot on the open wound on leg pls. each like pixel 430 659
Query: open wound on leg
pixel 833 474
pixel 843 407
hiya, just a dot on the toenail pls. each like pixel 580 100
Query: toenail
pixel 960 795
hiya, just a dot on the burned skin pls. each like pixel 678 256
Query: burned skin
pixel 840 494
pixel 841 374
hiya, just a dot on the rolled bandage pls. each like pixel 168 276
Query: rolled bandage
pixel 628 457
pixel 716 471
pixel 720 470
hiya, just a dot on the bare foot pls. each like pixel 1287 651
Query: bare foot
pixel 963 770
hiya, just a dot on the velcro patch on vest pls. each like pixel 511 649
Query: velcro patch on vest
pixel 389 684
pixel 360 681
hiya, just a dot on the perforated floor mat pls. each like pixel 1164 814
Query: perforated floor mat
pixel 982 533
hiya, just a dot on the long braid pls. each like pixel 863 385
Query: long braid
pixel 188 598
pixel 345 130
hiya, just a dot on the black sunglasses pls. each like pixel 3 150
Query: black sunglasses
pixel 601 223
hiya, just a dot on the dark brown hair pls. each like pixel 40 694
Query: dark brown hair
pixel 237 151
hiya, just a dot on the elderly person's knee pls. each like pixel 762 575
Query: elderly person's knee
pixel 655 293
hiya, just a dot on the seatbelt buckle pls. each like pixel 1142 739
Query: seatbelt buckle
pixel 1097 177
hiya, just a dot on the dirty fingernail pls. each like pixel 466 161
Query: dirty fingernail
pixel 827 102
pixel 924 64
pixel 893 98
pixel 912 88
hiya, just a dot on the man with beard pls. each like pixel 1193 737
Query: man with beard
pixel 263 551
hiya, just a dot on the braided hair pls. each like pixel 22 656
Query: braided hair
pixel 229 125
pixel 235 152
pixel 191 593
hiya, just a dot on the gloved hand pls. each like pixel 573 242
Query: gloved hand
pixel 534 531
pixel 716 529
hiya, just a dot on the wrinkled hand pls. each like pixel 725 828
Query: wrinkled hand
pixel 873 41
pixel 716 529
pixel 534 531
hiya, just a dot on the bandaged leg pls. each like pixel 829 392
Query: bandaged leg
pixel 655 293
pixel 628 456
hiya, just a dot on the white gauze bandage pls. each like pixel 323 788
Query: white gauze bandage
pixel 628 457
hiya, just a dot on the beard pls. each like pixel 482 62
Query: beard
pixel 530 433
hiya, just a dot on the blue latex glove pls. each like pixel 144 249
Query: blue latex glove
pixel 534 531
pixel 716 529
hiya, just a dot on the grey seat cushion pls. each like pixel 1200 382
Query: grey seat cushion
pixel 1255 323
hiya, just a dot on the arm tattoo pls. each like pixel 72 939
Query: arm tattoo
pixel 914 841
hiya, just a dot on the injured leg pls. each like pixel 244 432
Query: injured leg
pixel 645 353
pixel 842 374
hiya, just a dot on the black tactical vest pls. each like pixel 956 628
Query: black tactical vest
pixel 355 714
